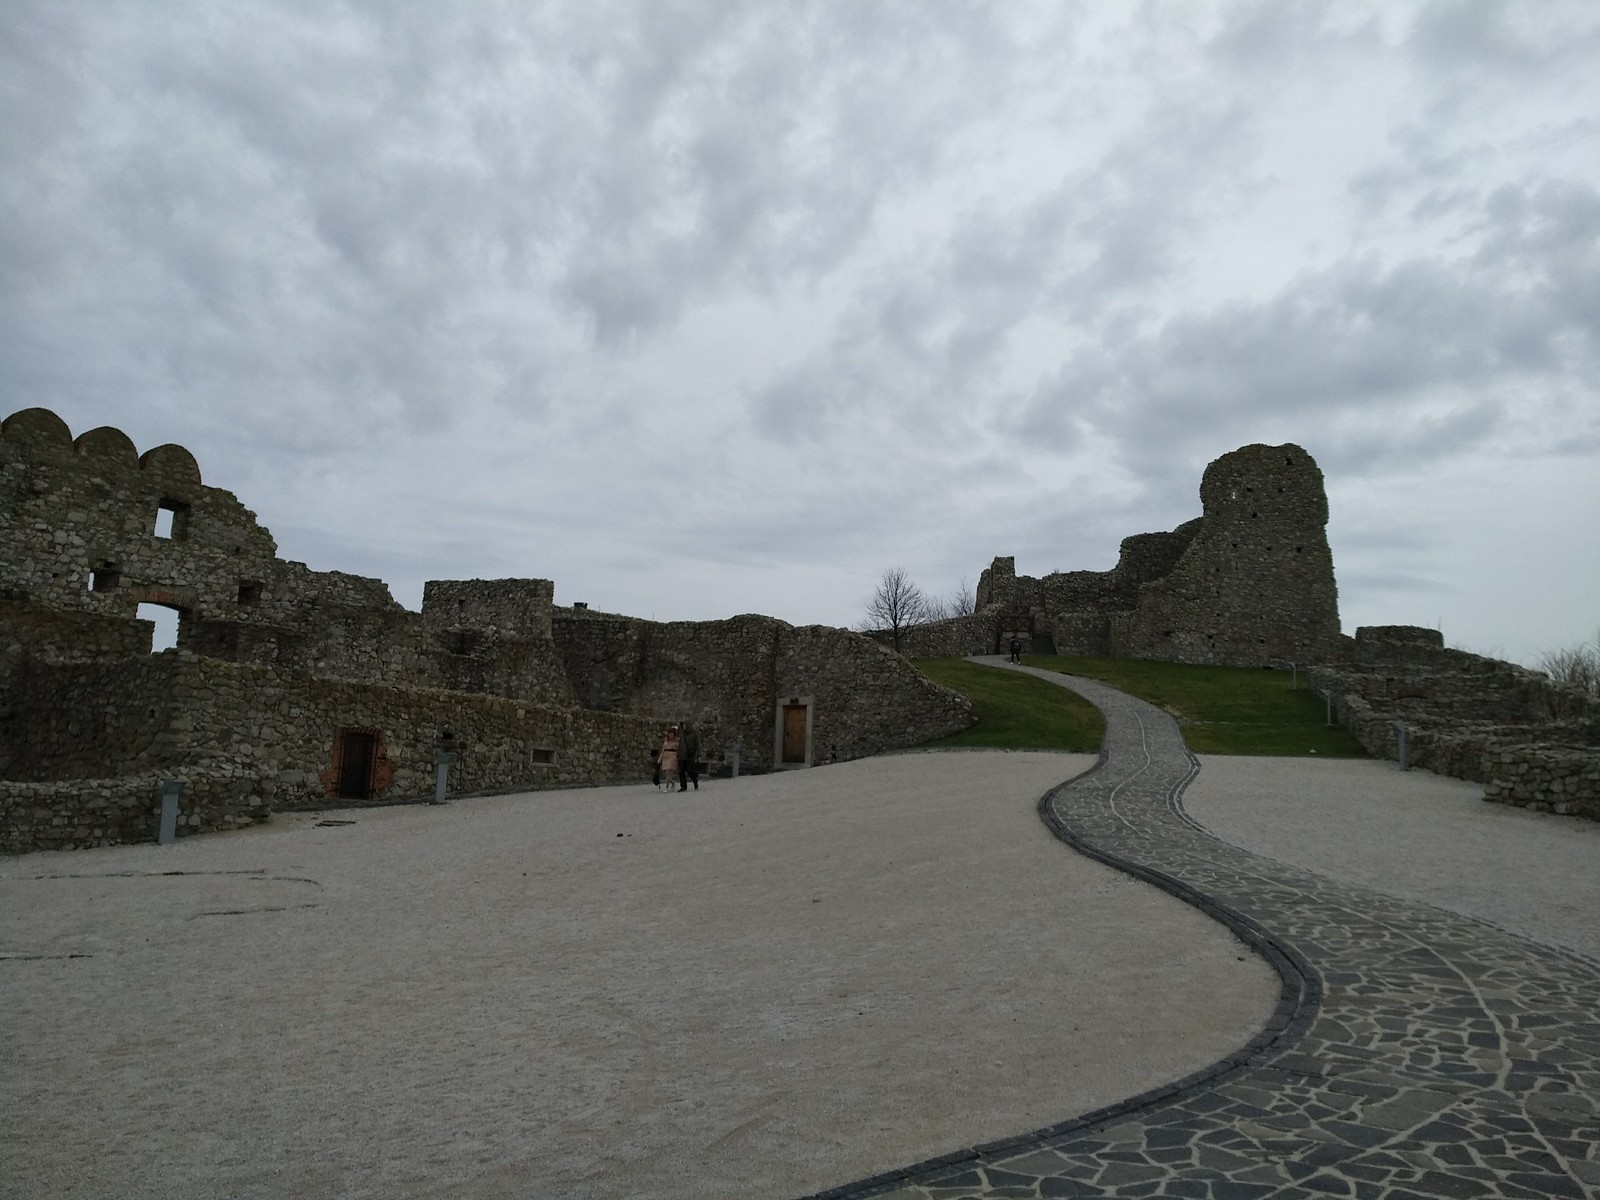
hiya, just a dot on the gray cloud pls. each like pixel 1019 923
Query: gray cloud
pixel 685 302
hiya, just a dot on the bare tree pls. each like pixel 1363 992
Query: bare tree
pixel 962 602
pixel 1576 666
pixel 897 605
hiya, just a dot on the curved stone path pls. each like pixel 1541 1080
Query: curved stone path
pixel 1413 1054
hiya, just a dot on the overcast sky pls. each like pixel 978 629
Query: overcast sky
pixel 719 307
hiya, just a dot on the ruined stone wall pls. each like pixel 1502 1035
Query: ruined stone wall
pixel 866 697
pixel 1248 583
pixel 1563 780
pixel 90 719
pixel 247 740
pixel 83 534
pixel 1255 585
pixel 1530 741
pixel 495 637
pixel 955 637
pixel 108 812
pixel 285 726
pixel 727 676
pixel 517 606
pixel 717 674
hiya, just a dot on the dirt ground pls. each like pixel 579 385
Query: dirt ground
pixel 770 986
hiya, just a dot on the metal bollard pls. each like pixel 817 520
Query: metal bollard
pixel 169 811
pixel 1400 734
pixel 441 773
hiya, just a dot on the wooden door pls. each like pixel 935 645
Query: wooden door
pixel 794 733
pixel 356 753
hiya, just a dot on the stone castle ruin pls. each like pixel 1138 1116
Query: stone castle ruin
pixel 1247 583
pixel 1250 583
pixel 290 688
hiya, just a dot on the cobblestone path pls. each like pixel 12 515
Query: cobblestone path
pixel 1413 1054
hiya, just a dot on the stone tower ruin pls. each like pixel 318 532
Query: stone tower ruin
pixel 1249 582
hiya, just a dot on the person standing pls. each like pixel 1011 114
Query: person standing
pixel 1016 650
pixel 667 760
pixel 688 757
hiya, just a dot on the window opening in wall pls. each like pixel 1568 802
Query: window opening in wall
pixel 249 592
pixel 167 620
pixel 541 756
pixel 105 578
pixel 172 520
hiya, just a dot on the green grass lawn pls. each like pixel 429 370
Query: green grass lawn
pixel 1014 711
pixel 1220 710
pixel 1223 710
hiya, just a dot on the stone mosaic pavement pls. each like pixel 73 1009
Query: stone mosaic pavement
pixel 1413 1054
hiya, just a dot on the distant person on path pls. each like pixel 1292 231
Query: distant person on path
pixel 667 761
pixel 688 758
pixel 1016 650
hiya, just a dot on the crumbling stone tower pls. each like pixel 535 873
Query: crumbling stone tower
pixel 1249 582
pixel 1255 583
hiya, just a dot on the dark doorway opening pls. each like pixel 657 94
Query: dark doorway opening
pixel 358 752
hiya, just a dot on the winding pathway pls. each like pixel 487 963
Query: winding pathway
pixel 1413 1054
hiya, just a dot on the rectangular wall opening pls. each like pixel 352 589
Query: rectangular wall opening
pixel 105 578
pixel 168 622
pixel 172 520
pixel 357 751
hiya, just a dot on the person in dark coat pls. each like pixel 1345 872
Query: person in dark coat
pixel 1016 650
pixel 688 757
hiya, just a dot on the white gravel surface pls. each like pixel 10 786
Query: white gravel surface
pixel 770 986
pixel 1412 834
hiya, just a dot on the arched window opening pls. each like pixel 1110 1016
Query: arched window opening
pixel 167 621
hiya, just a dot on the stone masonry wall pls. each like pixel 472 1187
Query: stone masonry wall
pixel 1248 583
pixel 91 719
pixel 1255 585
pixel 955 637
pixel 83 534
pixel 283 728
pixel 1530 741
pixel 107 812
pixel 725 676
pixel 866 697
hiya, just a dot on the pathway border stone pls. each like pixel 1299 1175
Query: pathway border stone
pixel 1413 1053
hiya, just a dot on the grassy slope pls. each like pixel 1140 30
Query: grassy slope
pixel 1016 712
pixel 1221 710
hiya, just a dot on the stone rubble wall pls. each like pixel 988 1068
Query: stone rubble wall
pixel 91 719
pixel 1545 779
pixel 1528 740
pixel 516 606
pixel 82 813
pixel 954 637
pixel 1248 583
pixel 866 697
pixel 281 672
pixel 285 725
pixel 726 677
